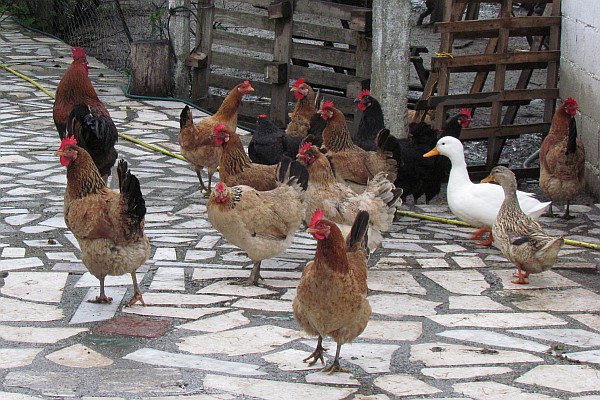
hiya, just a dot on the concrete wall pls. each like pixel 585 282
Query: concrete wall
pixel 580 77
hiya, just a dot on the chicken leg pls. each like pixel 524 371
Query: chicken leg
pixel 254 275
pixel 137 294
pixel 479 233
pixel 317 354
pixel 335 366
pixel 102 299
pixel 566 215
pixel 199 174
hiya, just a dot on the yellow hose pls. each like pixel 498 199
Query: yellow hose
pixel 410 214
pixel 127 137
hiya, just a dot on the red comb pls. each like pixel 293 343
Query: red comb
pixel 466 111
pixel 316 218
pixel 364 93
pixel 78 53
pixel 572 101
pixel 219 128
pixel 327 105
pixel 67 141
pixel 299 82
pixel 305 147
pixel 262 116
pixel 220 187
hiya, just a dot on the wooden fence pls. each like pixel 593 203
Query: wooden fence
pixel 271 44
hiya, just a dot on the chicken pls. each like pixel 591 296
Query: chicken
pixel 331 299
pixel 236 168
pixel 418 176
pixel 371 121
pixel 108 226
pixel 353 164
pixel 77 106
pixel 341 204
pixel 262 223
pixel 96 134
pixel 304 118
pixel 196 140
pixel 269 143
pixel 562 157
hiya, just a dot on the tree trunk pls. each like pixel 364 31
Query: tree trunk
pixel 180 37
pixel 391 61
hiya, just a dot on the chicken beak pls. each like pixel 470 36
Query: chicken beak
pixel 432 153
pixel 310 230
pixel 59 153
pixel 488 179
pixel 293 89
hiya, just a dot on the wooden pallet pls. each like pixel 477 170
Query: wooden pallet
pixel 503 102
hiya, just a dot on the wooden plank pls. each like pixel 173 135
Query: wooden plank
pixel 282 52
pixel 518 26
pixel 323 78
pixel 227 82
pixel 333 56
pixel 503 131
pixel 239 62
pixel 321 8
pixel 204 31
pixel 487 62
pixel 500 1
pixel 237 18
pixel 324 33
pixel 244 42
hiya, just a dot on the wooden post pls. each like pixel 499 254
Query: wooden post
pixel 391 61
pixel 277 72
pixel 200 58
pixel 179 30
pixel 151 68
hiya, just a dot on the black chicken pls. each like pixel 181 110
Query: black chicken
pixel 269 143
pixel 97 134
pixel 371 121
pixel 418 176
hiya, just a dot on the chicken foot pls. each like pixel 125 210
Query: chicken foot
pixel 566 216
pixel 520 275
pixel 202 186
pixel 102 299
pixel 335 366
pixel 317 354
pixel 255 275
pixel 479 233
pixel 137 294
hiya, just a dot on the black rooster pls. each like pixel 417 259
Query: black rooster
pixel 269 143
pixel 370 123
pixel 418 176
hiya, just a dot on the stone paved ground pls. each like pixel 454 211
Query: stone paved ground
pixel 447 322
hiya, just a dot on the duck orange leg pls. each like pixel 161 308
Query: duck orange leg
pixel 479 233
pixel 520 275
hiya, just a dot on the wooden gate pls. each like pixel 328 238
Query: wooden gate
pixel 502 103
pixel 272 43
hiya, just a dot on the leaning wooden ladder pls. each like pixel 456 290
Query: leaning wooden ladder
pixel 504 103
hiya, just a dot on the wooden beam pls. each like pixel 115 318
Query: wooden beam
pixel 487 62
pixel 503 131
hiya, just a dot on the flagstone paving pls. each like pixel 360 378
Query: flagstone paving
pixel 447 322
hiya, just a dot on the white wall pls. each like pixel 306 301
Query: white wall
pixel 580 77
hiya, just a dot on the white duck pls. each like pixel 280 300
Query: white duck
pixel 477 203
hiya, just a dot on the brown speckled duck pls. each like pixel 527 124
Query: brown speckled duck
pixel 520 238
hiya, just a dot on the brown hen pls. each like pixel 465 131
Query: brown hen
pixel 236 168
pixel 354 165
pixel 196 140
pixel 262 223
pixel 108 225
pixel 562 157
pixel 331 299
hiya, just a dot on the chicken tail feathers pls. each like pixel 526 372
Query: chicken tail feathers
pixel 397 194
pixel 358 238
pixel 572 139
pixel 292 172
pixel 185 118
pixel 131 192
pixel 95 133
